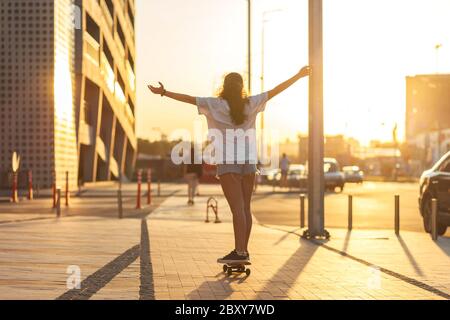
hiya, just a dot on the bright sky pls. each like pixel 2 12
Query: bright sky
pixel 370 46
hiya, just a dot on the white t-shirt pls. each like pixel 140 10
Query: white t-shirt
pixel 284 165
pixel 232 143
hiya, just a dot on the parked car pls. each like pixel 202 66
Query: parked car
pixel 334 178
pixel 270 176
pixel 297 177
pixel 353 174
pixel 435 184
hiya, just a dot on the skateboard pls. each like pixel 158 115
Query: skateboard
pixel 229 268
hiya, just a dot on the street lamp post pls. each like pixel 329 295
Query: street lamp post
pixel 263 46
pixel 249 62
pixel 316 183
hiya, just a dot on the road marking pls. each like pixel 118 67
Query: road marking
pixel 99 279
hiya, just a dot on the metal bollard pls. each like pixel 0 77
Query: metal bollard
pixel 119 203
pixel 350 213
pixel 67 188
pixel 302 211
pixel 149 186
pixel 397 215
pixel 14 193
pixel 30 185
pixel 58 202
pixel 139 183
pixel 434 212
pixel 54 195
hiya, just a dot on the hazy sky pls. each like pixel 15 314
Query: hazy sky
pixel 370 46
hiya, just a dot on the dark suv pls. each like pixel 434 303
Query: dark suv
pixel 435 183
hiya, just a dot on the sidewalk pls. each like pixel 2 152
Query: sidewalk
pixel 93 201
pixel 172 254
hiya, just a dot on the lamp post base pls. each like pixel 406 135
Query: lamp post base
pixel 308 236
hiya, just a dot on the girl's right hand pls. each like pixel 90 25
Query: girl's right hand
pixel 157 90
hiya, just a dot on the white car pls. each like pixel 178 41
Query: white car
pixel 353 174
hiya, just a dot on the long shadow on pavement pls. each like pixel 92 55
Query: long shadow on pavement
pixel 146 289
pixel 410 256
pixel 222 286
pixel 99 279
pixel 291 269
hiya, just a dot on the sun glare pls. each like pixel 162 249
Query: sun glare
pixel 63 88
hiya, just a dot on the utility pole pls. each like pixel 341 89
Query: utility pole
pixel 262 115
pixel 249 21
pixel 316 182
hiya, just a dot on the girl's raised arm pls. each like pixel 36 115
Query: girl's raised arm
pixel 304 72
pixel 176 96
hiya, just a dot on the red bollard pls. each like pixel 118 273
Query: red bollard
pixel 14 195
pixel 54 189
pixel 67 189
pixel 149 186
pixel 30 185
pixel 139 181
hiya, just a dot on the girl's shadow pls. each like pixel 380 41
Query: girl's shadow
pixel 220 288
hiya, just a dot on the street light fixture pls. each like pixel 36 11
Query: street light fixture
pixel 437 47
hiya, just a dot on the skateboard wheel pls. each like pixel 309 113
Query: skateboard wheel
pixel 247 272
pixel 229 271
pixel 225 268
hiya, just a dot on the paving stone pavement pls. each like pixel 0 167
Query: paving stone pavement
pixel 172 254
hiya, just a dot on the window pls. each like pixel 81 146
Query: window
pixel 445 167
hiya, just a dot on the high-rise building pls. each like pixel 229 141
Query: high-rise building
pixel 67 89
pixel 428 114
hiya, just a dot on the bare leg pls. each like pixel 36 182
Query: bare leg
pixel 195 187
pixel 232 188
pixel 189 185
pixel 247 187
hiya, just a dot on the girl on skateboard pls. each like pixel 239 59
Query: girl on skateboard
pixel 232 113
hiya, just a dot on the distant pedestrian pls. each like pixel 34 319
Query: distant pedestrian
pixel 193 173
pixel 234 111
pixel 284 166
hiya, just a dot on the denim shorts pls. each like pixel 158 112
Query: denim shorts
pixel 242 169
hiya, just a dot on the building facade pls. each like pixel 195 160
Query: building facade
pixel 428 115
pixel 67 89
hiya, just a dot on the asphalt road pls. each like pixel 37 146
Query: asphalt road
pixel 373 207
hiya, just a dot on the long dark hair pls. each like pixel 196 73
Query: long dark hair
pixel 234 93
